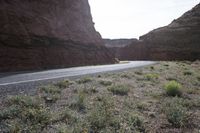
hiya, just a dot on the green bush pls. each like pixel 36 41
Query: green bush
pixel 173 88
pixel 151 76
pixel 119 89
pixel 175 112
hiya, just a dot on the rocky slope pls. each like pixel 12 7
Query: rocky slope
pixel 180 40
pixel 40 34
pixel 177 41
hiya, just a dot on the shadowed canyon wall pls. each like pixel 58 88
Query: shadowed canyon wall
pixel 43 34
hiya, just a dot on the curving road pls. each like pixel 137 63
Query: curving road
pixel 28 82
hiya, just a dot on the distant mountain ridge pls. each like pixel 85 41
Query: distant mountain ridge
pixel 118 43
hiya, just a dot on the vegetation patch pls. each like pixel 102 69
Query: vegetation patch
pixel 105 82
pixel 198 78
pixel 119 89
pixel 63 84
pixel 176 113
pixel 24 114
pixel 124 75
pixel 188 73
pixel 173 88
pixel 50 93
pixel 84 80
pixel 136 122
pixel 102 116
pixel 152 76
pixel 79 101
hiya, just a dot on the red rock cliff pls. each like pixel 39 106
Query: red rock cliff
pixel 40 34
pixel 179 40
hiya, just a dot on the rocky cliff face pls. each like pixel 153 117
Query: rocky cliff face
pixel 180 40
pixel 40 34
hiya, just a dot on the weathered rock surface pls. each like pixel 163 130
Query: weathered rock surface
pixel 180 40
pixel 40 34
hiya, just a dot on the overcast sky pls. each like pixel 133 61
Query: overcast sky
pixel 133 18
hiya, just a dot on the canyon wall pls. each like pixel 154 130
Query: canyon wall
pixel 45 34
pixel 180 40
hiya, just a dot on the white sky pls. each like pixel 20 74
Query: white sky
pixel 133 18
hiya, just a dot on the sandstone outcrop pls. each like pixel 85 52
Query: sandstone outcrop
pixel 41 34
pixel 180 40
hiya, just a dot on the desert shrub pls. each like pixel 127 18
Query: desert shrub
pixel 175 112
pixel 84 80
pixel 24 101
pixel 198 78
pixel 50 93
pixel 173 88
pixel 136 122
pixel 101 116
pixel 9 112
pixel 166 65
pixel 138 72
pixel 105 82
pixel 124 75
pixel 63 84
pixel 89 89
pixel 151 76
pixel 188 73
pixel 172 78
pixel 24 114
pixel 66 115
pixel 93 90
pixel 142 105
pixel 152 68
pixel 119 89
pixel 79 102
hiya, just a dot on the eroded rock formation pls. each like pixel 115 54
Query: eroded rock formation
pixel 40 34
pixel 180 40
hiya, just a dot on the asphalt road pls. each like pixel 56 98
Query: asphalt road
pixel 28 82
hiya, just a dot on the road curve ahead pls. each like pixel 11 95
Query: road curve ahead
pixel 12 84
